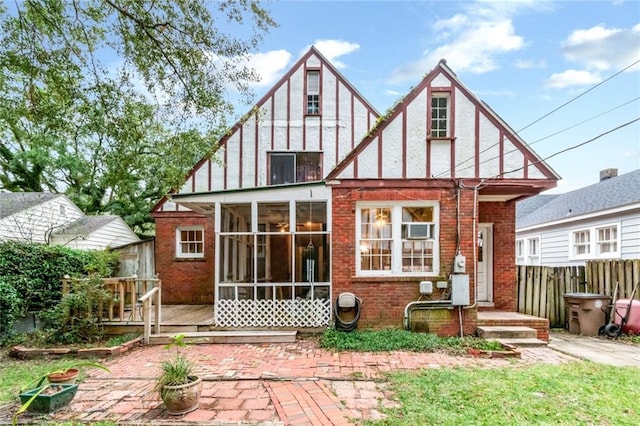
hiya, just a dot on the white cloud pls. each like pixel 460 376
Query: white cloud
pixel 334 49
pixel 473 49
pixel 528 64
pixel 572 78
pixel 470 41
pixel 601 48
pixel 269 66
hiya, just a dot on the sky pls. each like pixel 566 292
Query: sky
pixel 553 70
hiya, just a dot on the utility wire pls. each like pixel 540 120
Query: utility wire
pixel 547 114
pixel 552 134
pixel 628 123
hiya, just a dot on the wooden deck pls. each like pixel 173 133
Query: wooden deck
pixel 196 323
pixel 175 319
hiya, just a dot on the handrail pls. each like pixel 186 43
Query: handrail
pixel 151 299
pixel 125 302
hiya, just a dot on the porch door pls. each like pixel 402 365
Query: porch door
pixel 485 263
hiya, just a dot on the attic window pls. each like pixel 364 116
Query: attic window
pixel 440 115
pixel 294 167
pixel 313 92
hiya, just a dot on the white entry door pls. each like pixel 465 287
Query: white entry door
pixel 485 263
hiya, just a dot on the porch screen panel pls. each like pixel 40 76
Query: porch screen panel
pixel 236 244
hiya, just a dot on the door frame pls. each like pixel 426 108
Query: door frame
pixel 486 299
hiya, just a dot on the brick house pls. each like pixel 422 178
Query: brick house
pixel 315 194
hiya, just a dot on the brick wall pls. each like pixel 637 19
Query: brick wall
pixel 502 215
pixel 184 281
pixel 384 299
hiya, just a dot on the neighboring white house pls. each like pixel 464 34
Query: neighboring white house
pixel 44 218
pixel 600 221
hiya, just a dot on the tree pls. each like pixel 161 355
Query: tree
pixel 112 101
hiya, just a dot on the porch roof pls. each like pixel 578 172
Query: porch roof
pixel 204 202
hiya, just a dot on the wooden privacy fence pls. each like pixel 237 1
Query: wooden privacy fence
pixel 540 288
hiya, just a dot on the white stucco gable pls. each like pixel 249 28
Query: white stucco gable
pixel 441 130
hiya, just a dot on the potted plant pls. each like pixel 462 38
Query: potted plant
pixel 52 390
pixel 178 386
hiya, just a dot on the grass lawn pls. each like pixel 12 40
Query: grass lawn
pixel 543 394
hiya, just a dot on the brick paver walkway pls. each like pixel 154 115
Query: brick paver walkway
pixel 288 384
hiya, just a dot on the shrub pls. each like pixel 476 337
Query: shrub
pixel 10 308
pixel 76 318
pixel 35 270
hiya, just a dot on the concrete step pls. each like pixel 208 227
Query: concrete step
pixel 506 332
pixel 523 343
pixel 209 337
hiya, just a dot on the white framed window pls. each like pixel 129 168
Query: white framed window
pixel 190 242
pixel 528 251
pixel 313 92
pixel 597 242
pixel 397 239
pixel 581 243
pixel 440 115
pixel 533 251
pixel 520 252
pixel 606 239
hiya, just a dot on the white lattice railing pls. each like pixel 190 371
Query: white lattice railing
pixel 273 313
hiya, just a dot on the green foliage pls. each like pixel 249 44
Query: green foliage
pixel 400 340
pixel 42 381
pixel 121 339
pixel 35 271
pixel 10 308
pixel 102 131
pixel 541 394
pixel 175 371
pixel 76 318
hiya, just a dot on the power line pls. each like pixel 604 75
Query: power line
pixel 547 114
pixel 628 123
pixel 552 134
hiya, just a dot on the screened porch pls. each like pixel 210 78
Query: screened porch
pixel 273 263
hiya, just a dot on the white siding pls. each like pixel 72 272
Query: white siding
pixel 113 234
pixel 35 224
pixel 555 241
pixel 630 236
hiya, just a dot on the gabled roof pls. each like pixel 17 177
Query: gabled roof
pixel 14 202
pixel 313 51
pixel 532 166
pixel 86 225
pixel 615 192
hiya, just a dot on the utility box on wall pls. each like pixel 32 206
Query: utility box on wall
pixel 460 290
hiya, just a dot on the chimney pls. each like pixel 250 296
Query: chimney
pixel 608 173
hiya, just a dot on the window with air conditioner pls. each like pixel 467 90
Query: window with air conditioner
pixel 397 239
pixel 417 231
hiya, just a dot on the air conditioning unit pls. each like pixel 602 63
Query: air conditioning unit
pixel 419 231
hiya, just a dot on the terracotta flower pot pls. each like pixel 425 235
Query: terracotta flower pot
pixel 182 399
pixel 67 377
